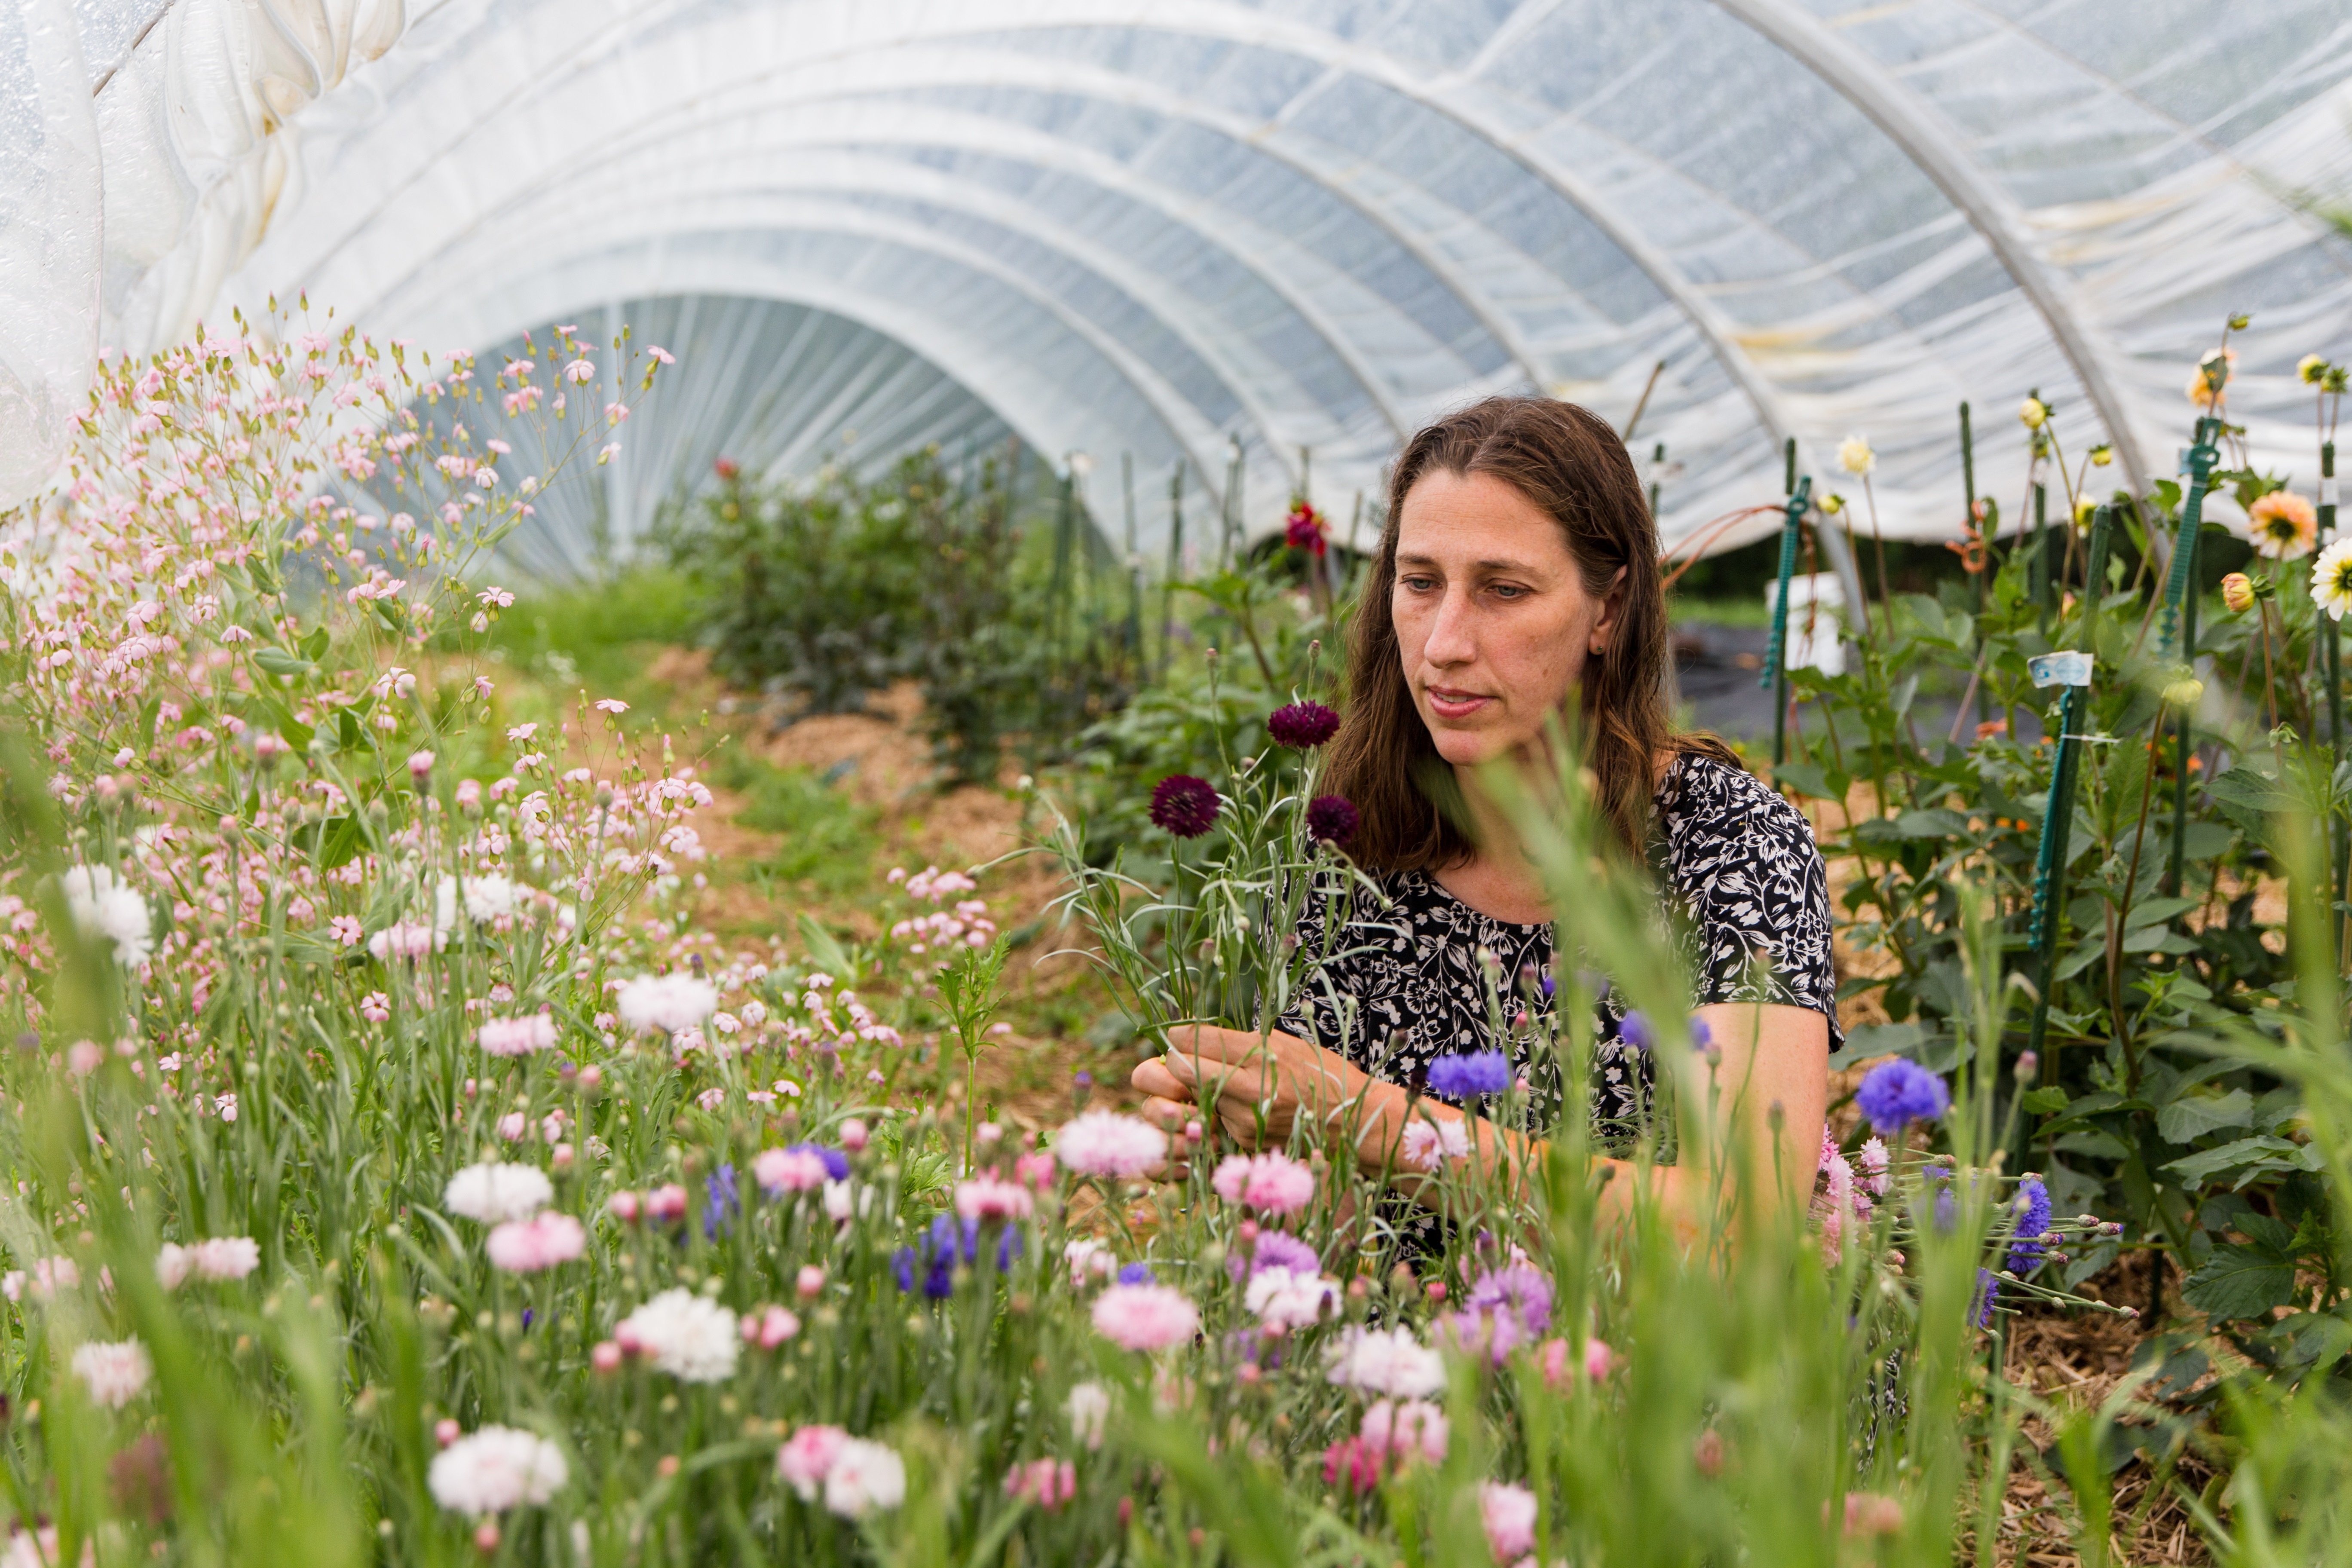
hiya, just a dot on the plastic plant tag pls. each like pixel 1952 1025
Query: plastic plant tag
pixel 2067 669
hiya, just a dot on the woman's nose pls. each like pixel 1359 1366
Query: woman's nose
pixel 1451 640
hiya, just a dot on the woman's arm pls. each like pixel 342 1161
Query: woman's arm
pixel 1771 1055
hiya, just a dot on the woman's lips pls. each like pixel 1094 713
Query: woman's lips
pixel 1454 704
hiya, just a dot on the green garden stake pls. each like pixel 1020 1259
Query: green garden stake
pixel 1134 635
pixel 1175 565
pixel 1657 462
pixel 2072 670
pixel 2178 626
pixel 2331 668
pixel 1776 672
pixel 1789 462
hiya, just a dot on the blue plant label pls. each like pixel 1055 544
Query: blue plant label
pixel 2068 668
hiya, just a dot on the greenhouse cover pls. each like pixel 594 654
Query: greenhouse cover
pixel 1244 243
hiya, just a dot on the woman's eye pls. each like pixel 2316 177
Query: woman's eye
pixel 1418 585
pixel 1507 591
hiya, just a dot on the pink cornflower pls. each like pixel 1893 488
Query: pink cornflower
pixel 1406 1429
pixel 797 1170
pixel 1048 1483
pixel 518 1036
pixel 528 1246
pixel 375 1008
pixel 1035 1171
pixel 806 1458
pixel 1106 1144
pixel 770 1328
pixel 1145 1317
pixel 403 938
pixel 987 1197
pixel 1508 1514
pixel 1270 1184
pixel 665 1203
pixel 1598 1361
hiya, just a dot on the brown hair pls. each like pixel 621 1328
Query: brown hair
pixel 1569 463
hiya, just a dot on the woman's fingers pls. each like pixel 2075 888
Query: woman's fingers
pixel 1169 1115
pixel 1155 1079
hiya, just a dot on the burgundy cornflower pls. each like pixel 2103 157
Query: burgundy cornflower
pixel 1184 806
pixel 1332 819
pixel 1302 724
pixel 1304 528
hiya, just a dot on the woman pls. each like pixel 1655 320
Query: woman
pixel 1518 575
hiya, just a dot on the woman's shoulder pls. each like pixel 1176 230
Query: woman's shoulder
pixel 1704 798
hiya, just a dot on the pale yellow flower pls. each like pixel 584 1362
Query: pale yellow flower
pixel 2283 525
pixel 1833 504
pixel 1855 455
pixel 2213 373
pixel 2102 455
pixel 2083 507
pixel 2033 412
pixel 2310 369
pixel 2331 579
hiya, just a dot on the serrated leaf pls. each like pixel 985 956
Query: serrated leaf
pixel 2240 1282
pixel 2206 1163
pixel 2194 1115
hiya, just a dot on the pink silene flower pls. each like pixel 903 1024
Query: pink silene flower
pixel 807 1457
pixel 1048 1483
pixel 788 1170
pixel 611 705
pixel 1145 1317
pixel 1406 1429
pixel 518 1036
pixel 375 1008
pixel 1270 1184
pixel 528 1246
pixel 1106 1144
pixel 346 931
pixel 1508 1512
pixel 987 1197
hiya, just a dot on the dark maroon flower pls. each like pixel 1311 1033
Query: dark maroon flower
pixel 1305 528
pixel 1302 724
pixel 1184 806
pixel 1331 820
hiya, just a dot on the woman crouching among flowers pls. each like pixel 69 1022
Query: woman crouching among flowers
pixel 1517 582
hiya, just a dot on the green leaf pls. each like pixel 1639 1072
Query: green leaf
pixel 2240 1282
pixel 2207 840
pixel 277 661
pixel 2041 1102
pixel 314 644
pixel 2194 1115
pixel 2207 1164
pixel 1933 823
pixel 825 952
pixel 1809 778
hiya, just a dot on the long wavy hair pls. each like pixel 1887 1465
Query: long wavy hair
pixel 1569 463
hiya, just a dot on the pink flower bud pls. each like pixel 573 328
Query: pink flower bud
pixel 592 1077
pixel 605 1356
pixel 811 1282
pixel 623 1206
pixel 853 1135
pixel 1437 1290
pixel 563 1156
pixel 1248 1233
pixel 485 1537
pixel 1195 1132
pixel 447 1431
pixel 419 764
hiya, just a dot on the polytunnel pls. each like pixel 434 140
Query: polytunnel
pixel 1241 243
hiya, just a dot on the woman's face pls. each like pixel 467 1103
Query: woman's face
pixel 1492 621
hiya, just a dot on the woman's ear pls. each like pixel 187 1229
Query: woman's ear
pixel 1612 605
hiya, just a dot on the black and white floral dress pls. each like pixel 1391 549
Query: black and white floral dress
pixel 1408 976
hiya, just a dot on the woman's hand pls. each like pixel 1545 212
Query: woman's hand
pixel 1257 1084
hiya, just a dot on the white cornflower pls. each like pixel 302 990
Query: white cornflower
pixel 667 1003
pixel 115 1371
pixel 1387 1360
pixel 865 1476
pixel 104 905
pixel 1090 1412
pixel 218 1258
pixel 690 1338
pixel 1856 456
pixel 495 1469
pixel 1289 1297
pixel 494 1193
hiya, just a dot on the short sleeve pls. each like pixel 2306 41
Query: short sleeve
pixel 1744 864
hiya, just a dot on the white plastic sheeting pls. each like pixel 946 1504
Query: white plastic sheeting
pixel 1162 228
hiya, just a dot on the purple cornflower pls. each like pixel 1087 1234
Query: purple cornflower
pixel 836 1164
pixel 1702 1037
pixel 1138 1274
pixel 1275 1250
pixel 1300 725
pixel 1898 1092
pixel 1470 1073
pixel 720 1200
pixel 1332 819
pixel 937 1251
pixel 1184 806
pixel 1521 1290
pixel 2026 1250
pixel 1635 1031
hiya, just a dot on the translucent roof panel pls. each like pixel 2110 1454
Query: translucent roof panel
pixel 1291 230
